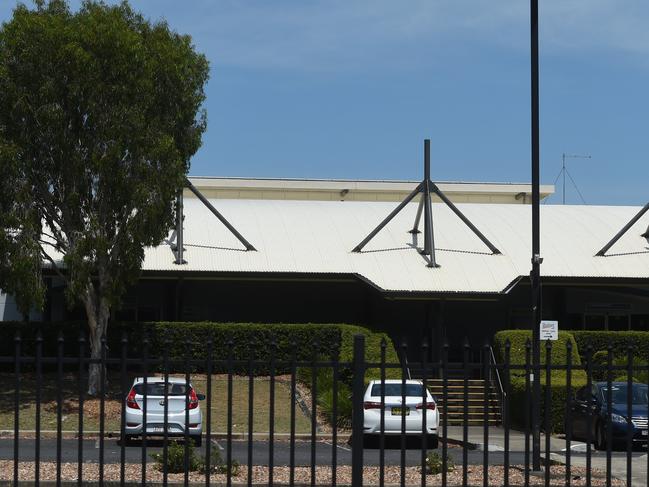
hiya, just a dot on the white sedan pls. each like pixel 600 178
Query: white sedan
pixel 181 401
pixel 395 411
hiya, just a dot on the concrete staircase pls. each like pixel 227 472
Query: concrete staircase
pixel 475 401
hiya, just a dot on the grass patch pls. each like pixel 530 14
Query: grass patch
pixel 113 404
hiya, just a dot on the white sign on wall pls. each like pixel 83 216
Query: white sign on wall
pixel 549 330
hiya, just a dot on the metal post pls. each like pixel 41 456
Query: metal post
pixel 179 229
pixel 429 235
pixel 426 187
pixel 563 170
pixel 536 240
pixel 426 198
pixel 415 227
pixel 357 410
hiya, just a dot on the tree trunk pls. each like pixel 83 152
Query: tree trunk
pixel 97 311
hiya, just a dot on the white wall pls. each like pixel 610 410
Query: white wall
pixel 9 310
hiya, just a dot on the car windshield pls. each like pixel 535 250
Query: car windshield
pixel 639 394
pixel 158 389
pixel 397 389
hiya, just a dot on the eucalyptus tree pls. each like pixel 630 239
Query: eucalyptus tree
pixel 100 113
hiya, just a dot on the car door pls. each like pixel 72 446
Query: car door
pixel 578 413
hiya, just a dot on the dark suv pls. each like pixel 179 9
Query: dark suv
pixel 596 400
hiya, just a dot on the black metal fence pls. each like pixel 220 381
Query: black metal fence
pixel 308 424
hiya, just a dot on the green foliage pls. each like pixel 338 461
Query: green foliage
pixel 325 376
pixel 518 340
pixel 619 367
pixel 435 464
pixel 219 465
pixel 240 341
pixel 176 458
pixel 559 398
pixel 558 378
pixel 100 113
pixel 619 341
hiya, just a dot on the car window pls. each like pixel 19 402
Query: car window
pixel 639 394
pixel 397 389
pixel 158 389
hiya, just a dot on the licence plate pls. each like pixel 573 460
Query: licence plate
pixel 157 429
pixel 397 411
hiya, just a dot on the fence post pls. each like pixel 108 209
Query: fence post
pixel 357 410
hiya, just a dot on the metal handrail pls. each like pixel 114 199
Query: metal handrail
pixel 503 394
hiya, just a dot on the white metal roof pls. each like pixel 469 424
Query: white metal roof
pixel 317 237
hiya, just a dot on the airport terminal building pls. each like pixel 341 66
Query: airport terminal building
pixel 299 264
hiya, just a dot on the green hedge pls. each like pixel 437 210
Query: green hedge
pixel 558 378
pixel 190 340
pixel 518 340
pixel 325 377
pixel 619 340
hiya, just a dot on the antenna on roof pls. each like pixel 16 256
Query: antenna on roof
pixel 602 252
pixel 564 171
pixel 426 187
pixel 180 217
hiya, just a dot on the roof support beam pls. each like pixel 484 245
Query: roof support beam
pixel 426 188
pixel 180 249
pixel 180 217
pixel 625 229
pixel 467 222
pixel 218 215
pixel 380 226
pixel 415 227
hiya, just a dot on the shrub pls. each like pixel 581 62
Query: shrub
pixel 619 370
pixel 238 341
pixel 219 465
pixel 518 340
pixel 189 340
pixel 325 379
pixel 176 458
pixel 619 340
pixel 435 464
pixel 558 378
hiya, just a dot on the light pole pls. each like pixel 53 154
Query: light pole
pixel 535 275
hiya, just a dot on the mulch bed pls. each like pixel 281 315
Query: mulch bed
pixel 303 475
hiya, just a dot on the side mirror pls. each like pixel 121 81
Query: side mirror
pixel 200 397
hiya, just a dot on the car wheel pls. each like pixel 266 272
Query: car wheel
pixel 197 439
pixel 600 437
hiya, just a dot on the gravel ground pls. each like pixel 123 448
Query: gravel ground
pixel 303 474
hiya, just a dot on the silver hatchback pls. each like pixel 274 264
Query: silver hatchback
pixel 180 398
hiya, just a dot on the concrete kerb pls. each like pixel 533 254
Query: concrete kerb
pixel 91 483
pixel 215 436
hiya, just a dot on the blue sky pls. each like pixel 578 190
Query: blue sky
pixel 349 89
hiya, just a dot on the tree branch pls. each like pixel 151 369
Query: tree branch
pixel 54 265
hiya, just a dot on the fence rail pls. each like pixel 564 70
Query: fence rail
pixel 208 420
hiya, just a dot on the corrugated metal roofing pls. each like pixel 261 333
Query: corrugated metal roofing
pixel 317 237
